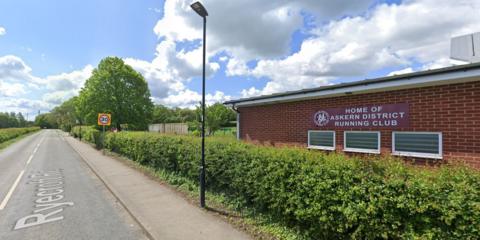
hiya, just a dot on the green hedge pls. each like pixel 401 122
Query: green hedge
pixel 325 196
pixel 11 133
pixel 89 134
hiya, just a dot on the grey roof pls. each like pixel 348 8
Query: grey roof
pixel 405 77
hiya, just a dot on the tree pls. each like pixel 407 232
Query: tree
pixel 46 120
pixel 163 114
pixel 116 88
pixel 21 120
pixel 11 120
pixel 217 116
pixel 66 115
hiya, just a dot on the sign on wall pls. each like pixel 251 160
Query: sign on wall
pixel 369 116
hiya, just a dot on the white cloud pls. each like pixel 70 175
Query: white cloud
pixel 236 67
pixel 244 30
pixel 2 31
pixel 24 105
pixel 191 99
pixel 64 86
pixel 389 35
pixel 170 70
pixel 247 29
pixel 401 71
pixel 251 92
pixel 11 89
pixel 14 69
pixel 69 81
pixel 58 97
pixel 16 80
pixel 161 80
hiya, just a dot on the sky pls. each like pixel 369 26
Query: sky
pixel 48 48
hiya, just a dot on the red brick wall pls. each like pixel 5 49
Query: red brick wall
pixel 453 110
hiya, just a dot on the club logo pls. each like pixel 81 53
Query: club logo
pixel 321 118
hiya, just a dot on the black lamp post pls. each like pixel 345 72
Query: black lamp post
pixel 200 9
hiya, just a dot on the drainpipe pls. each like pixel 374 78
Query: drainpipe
pixel 238 121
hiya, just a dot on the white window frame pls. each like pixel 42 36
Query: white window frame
pixel 322 147
pixel 361 150
pixel 416 154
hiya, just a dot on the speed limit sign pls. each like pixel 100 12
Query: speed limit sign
pixel 104 119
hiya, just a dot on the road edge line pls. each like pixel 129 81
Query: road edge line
pixel 12 189
pixel 144 228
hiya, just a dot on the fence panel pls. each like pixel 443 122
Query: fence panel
pixel 175 128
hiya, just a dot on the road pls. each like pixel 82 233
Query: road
pixel 48 192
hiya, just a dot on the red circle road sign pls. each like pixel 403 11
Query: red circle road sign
pixel 104 119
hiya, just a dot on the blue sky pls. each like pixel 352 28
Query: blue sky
pixel 48 48
pixel 72 34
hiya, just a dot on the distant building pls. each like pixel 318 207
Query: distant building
pixel 431 114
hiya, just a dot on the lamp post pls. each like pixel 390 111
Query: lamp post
pixel 200 10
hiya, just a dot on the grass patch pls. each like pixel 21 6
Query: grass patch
pixel 7 143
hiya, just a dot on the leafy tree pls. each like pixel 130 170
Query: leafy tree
pixel 21 120
pixel 12 120
pixel 46 120
pixel 4 120
pixel 217 116
pixel 66 115
pixel 163 114
pixel 116 88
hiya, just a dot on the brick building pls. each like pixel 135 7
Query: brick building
pixel 431 114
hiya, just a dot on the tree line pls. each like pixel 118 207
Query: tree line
pixel 118 89
pixel 12 120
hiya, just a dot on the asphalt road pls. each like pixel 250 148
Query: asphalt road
pixel 48 192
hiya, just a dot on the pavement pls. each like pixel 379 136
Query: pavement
pixel 161 212
pixel 48 192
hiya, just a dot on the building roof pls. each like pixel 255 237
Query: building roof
pixel 441 76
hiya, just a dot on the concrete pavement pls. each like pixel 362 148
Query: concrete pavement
pixel 160 210
pixel 48 192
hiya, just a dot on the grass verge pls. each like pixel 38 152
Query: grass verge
pixel 14 140
pixel 258 225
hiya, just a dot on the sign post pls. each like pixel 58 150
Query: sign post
pixel 104 119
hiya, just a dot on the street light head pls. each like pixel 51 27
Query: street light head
pixel 200 9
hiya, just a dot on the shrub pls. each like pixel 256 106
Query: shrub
pixel 327 196
pixel 11 133
pixel 89 134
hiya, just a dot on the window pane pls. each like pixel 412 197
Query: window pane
pixel 323 139
pixel 361 140
pixel 416 142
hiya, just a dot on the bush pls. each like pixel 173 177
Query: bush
pixel 11 133
pixel 327 196
pixel 89 134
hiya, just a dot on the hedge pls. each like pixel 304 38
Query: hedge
pixel 11 133
pixel 88 133
pixel 327 196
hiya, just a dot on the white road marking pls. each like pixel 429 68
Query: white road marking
pixel 29 160
pixel 12 189
pixel 10 192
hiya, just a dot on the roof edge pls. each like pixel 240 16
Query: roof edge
pixel 407 76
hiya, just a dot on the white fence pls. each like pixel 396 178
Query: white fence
pixel 175 128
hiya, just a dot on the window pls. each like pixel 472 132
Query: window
pixel 364 142
pixel 321 140
pixel 417 144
